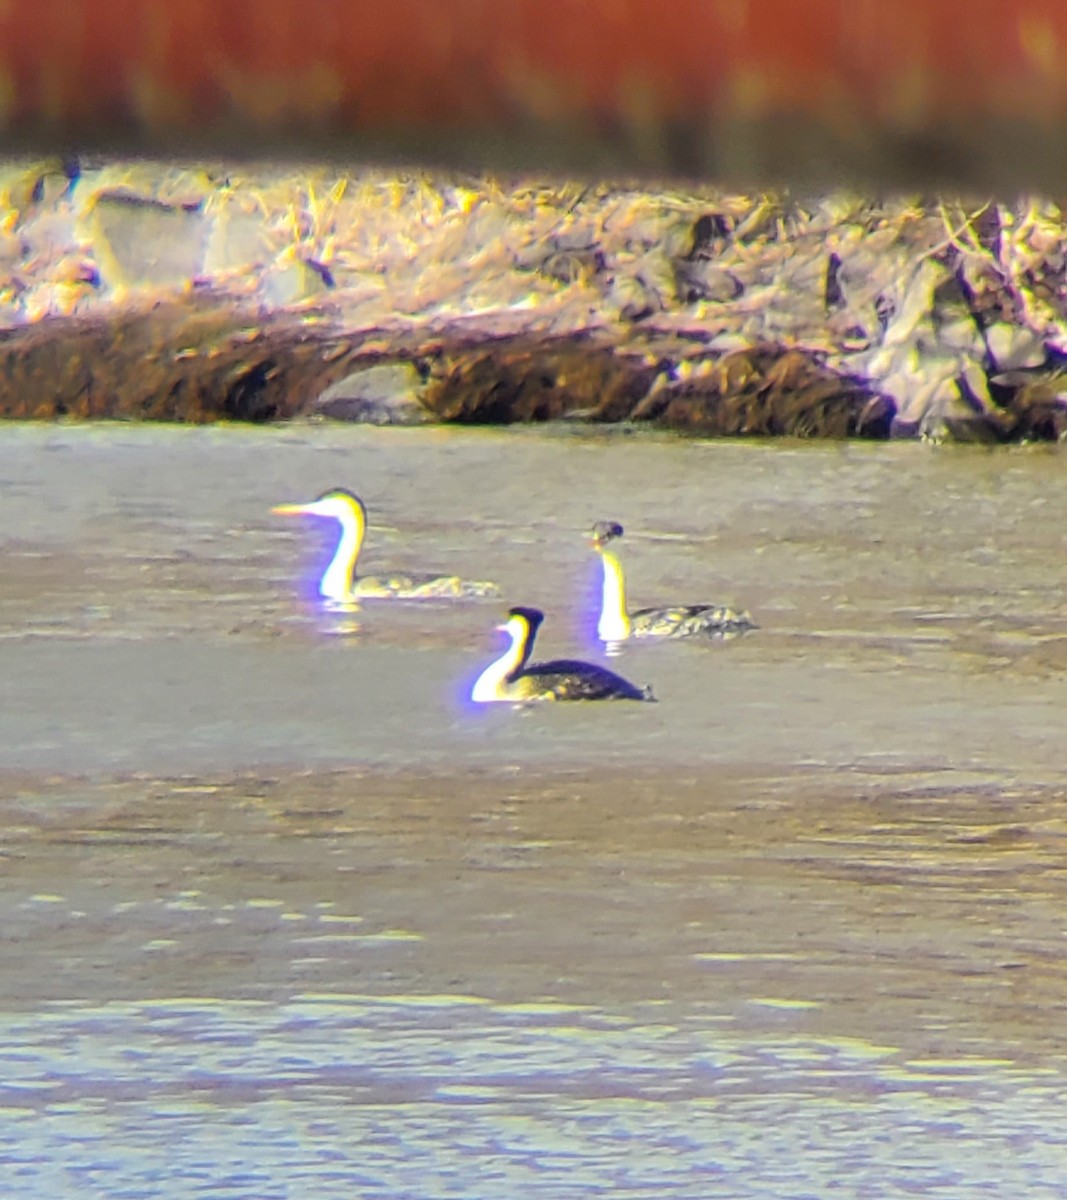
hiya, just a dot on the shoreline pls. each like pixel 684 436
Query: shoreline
pixel 188 293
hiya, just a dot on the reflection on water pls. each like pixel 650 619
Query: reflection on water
pixel 283 916
pixel 427 1095
pixel 343 983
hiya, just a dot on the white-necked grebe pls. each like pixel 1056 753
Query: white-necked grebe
pixel 682 620
pixel 342 585
pixel 510 680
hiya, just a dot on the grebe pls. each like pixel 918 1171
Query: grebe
pixel 340 583
pixel 510 680
pixel 683 620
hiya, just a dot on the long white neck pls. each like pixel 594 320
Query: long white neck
pixel 490 685
pixel 339 576
pixel 614 624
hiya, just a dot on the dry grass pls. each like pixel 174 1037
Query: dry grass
pixel 935 316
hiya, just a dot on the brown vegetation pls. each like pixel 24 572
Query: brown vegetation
pixel 191 294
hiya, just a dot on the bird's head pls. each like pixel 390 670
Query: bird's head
pixel 338 503
pixel 604 532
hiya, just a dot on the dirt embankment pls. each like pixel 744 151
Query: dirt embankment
pixel 162 292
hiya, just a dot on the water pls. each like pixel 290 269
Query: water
pixel 385 1097
pixel 283 916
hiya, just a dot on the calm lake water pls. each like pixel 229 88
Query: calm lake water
pixel 283 916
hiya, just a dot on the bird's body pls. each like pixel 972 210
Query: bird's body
pixel 616 624
pixel 341 585
pixel 571 679
pixel 510 680
pixel 418 587
pixel 688 620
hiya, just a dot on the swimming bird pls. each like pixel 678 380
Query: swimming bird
pixel 509 679
pixel 340 583
pixel 683 620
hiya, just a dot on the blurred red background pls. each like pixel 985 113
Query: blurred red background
pixel 971 90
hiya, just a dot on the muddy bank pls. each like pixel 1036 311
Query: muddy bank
pixel 197 294
pixel 211 359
